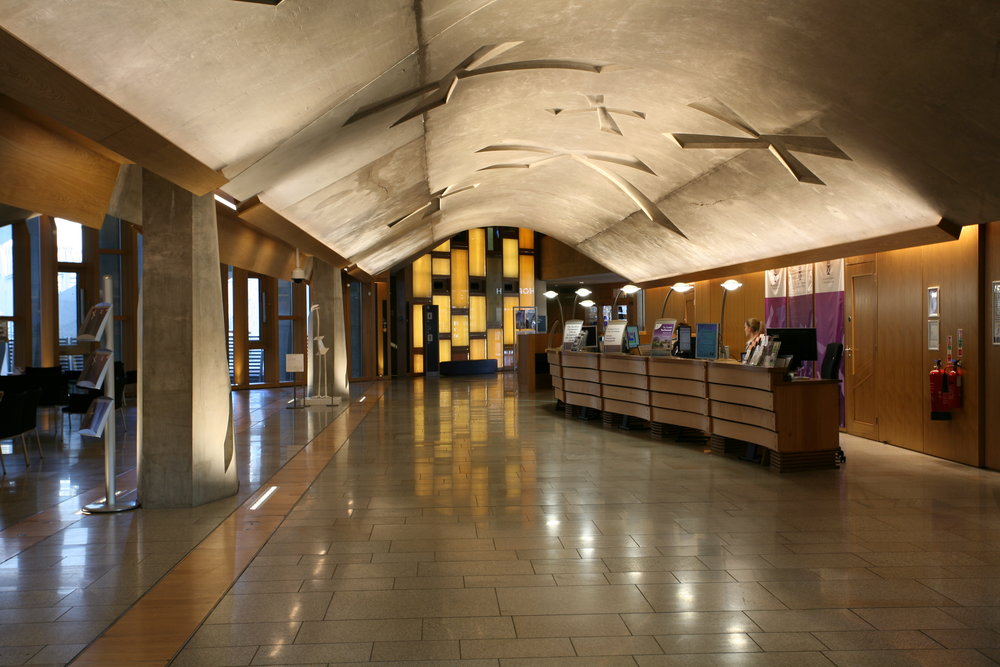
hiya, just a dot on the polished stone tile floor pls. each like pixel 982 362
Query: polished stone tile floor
pixel 457 522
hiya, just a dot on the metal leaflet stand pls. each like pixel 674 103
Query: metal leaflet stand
pixel 110 503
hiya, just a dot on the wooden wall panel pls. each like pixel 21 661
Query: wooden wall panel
pixel 955 268
pixel 991 353
pixel 902 333
pixel 558 261
pixel 741 304
pixel 47 173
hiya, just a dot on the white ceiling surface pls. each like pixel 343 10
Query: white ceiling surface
pixel 909 90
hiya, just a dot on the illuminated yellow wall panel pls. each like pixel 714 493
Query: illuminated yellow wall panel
pixel 527 281
pixel 444 247
pixel 477 349
pixel 441 266
pixel 422 277
pixel 477 252
pixel 526 238
pixel 418 325
pixel 445 347
pixel 460 330
pixel 477 314
pixel 459 278
pixel 510 258
pixel 495 341
pixel 443 302
pixel 509 333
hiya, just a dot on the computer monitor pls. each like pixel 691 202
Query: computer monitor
pixel 685 342
pixel 631 337
pixel 799 343
pixel 591 331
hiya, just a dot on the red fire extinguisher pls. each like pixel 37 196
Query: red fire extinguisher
pixel 955 376
pixel 940 393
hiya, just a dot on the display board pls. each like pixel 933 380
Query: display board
pixel 614 336
pixel 571 332
pixel 706 344
pixel 663 337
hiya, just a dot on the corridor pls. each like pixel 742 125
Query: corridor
pixel 441 520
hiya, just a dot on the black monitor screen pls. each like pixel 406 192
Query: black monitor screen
pixel 799 343
pixel 591 336
pixel 684 345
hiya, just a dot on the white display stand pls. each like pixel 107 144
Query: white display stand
pixel 319 388
pixel 98 324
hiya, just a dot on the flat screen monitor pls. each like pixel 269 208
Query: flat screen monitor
pixel 799 343
pixel 685 343
pixel 631 337
pixel 591 331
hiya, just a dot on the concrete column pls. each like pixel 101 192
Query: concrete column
pixel 188 457
pixel 327 290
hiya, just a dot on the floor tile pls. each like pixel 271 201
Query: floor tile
pixel 412 604
pixel 516 648
pixel 571 600
pixel 571 625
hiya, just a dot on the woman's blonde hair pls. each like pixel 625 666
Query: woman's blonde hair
pixel 754 324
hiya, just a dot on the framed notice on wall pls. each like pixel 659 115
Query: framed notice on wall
pixel 933 335
pixel 933 304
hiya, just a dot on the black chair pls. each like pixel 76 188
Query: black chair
pixel 120 382
pixel 830 370
pixel 30 401
pixel 54 390
pixel 18 414
pixel 79 402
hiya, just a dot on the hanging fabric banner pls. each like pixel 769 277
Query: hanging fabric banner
pixel 829 304
pixel 800 295
pixel 775 297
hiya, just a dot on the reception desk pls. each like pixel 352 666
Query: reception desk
pixel 797 422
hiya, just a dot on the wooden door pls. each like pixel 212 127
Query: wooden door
pixel 860 350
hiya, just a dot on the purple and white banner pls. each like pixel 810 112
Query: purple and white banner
pixel 775 298
pixel 800 295
pixel 829 301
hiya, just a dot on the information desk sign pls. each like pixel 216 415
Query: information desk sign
pixel 570 333
pixel 614 336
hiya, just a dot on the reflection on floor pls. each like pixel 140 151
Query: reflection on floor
pixel 84 571
pixel 457 520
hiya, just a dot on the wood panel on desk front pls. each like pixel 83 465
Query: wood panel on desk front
pixel 580 360
pixel 754 377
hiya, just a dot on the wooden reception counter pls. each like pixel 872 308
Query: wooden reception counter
pixel 797 421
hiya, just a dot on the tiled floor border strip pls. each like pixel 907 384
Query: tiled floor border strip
pixel 157 626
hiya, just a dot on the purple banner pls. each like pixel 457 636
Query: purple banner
pixel 830 329
pixel 775 312
pixel 775 298
pixel 830 314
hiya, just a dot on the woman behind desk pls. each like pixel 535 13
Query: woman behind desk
pixel 751 329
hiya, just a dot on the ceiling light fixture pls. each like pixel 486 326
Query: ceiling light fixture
pixel 676 287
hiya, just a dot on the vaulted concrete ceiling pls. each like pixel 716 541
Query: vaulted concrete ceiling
pixel 904 97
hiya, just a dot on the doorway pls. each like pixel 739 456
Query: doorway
pixel 860 349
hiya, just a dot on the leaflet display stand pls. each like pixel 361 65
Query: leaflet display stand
pixel 97 325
